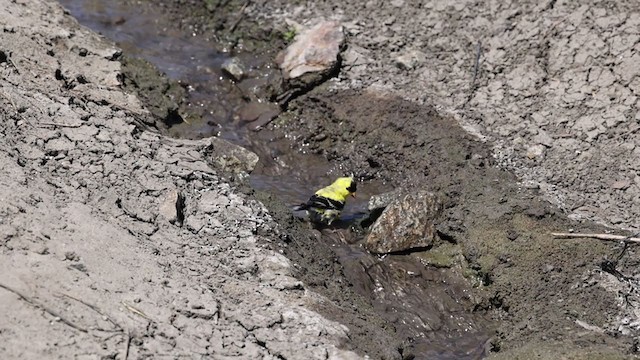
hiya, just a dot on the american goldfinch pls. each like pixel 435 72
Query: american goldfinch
pixel 327 203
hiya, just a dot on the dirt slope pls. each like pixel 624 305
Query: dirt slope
pixel 97 256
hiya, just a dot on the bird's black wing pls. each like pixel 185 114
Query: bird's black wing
pixel 321 202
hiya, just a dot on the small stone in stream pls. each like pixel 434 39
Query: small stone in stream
pixel 376 206
pixel 381 201
pixel 230 157
pixel 314 50
pixel 234 68
pixel 258 113
pixel 407 223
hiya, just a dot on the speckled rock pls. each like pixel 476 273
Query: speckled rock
pixel 407 223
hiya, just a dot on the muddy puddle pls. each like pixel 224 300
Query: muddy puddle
pixel 428 306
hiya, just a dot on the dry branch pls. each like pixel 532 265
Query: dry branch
pixel 127 346
pixel 45 308
pixel 42 124
pixel 136 311
pixel 607 237
pixel 117 326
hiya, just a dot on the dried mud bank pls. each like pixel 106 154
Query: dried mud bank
pixel 121 243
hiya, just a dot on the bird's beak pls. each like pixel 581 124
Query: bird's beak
pixel 353 194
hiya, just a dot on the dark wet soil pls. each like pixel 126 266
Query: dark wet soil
pixel 526 281
pixel 495 281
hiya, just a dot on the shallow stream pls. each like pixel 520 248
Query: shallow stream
pixel 424 303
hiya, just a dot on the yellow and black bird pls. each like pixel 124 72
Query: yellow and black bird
pixel 326 204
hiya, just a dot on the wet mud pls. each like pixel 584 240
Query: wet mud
pixel 497 231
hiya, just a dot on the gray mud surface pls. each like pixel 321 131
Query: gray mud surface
pixel 98 257
pixel 117 242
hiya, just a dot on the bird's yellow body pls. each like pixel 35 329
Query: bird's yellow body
pixel 326 205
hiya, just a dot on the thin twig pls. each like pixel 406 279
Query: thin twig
pixel 60 125
pixel 136 311
pixel 117 326
pixel 240 16
pixel 10 100
pixel 128 346
pixel 14 65
pixel 44 308
pixel 608 237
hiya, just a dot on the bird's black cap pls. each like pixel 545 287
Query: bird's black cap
pixel 352 188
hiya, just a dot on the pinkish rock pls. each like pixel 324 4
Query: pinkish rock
pixel 314 50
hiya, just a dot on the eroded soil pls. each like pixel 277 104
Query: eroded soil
pixel 546 297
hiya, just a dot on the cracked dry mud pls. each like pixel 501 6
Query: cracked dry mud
pixel 553 99
pixel 81 234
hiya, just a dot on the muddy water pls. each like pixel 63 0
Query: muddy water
pixel 427 306
pixel 145 32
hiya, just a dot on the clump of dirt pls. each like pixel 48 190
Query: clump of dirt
pixel 162 97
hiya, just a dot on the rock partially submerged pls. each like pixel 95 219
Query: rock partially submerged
pixel 234 68
pixel 314 53
pixel 258 114
pixel 232 158
pixel 407 223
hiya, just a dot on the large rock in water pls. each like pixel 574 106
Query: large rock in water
pixel 314 52
pixel 407 223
